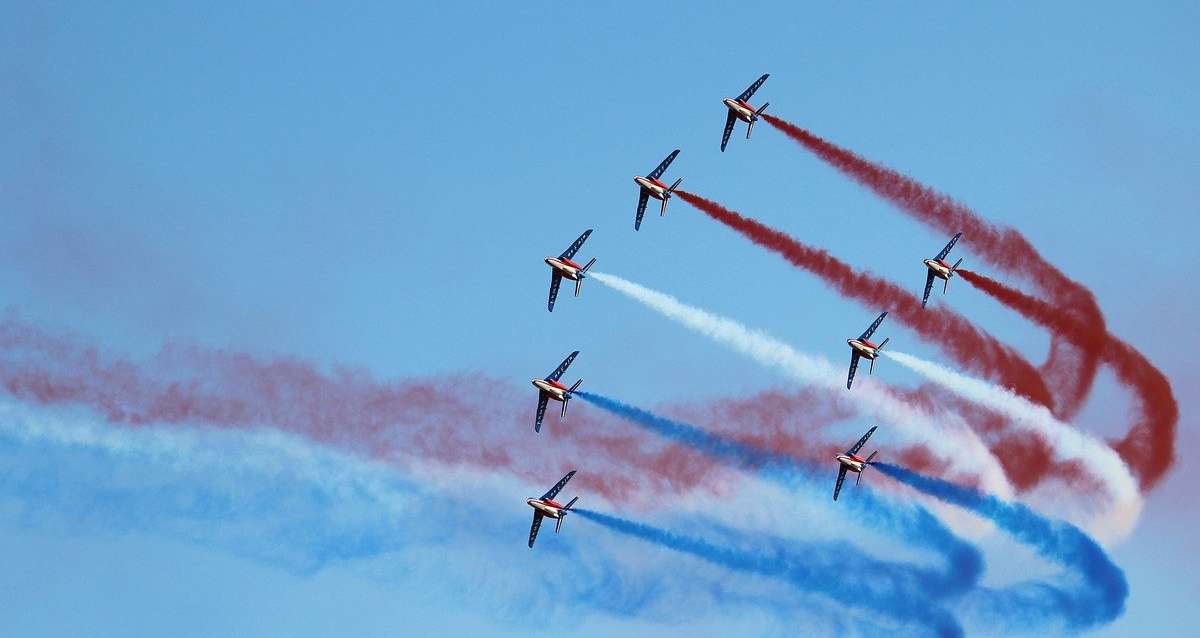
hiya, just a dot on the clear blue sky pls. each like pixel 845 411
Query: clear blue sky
pixel 377 186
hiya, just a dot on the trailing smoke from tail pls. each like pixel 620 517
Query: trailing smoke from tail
pixel 913 524
pixel 1066 442
pixel 949 330
pixel 951 441
pixel 808 570
pixel 1070 370
pixel 1149 447
pixel 1095 595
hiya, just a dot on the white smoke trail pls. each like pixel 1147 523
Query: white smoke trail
pixel 1067 443
pixel 951 440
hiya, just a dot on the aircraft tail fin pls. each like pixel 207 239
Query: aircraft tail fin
pixel 872 457
pixel 955 266
pixel 575 387
pixel 563 514
pixel 584 270
pixel 675 185
pixel 566 400
pixel 877 349
pixel 761 109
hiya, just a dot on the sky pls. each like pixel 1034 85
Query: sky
pixel 374 188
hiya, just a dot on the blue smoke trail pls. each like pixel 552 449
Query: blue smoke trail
pixel 811 568
pixel 912 523
pixel 1099 589
pixel 289 504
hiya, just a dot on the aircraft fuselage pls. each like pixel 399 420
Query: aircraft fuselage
pixel 742 110
pixel 940 269
pixel 653 187
pixel 864 347
pixel 548 507
pixel 553 389
pixel 565 267
pixel 852 462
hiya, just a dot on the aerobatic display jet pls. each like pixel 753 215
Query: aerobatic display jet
pixel 562 266
pixel 651 186
pixel 550 388
pixel 940 269
pixel 547 506
pixel 851 461
pixel 862 347
pixel 740 109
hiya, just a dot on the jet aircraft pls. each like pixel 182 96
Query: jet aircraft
pixel 562 266
pixel 547 506
pixel 550 388
pixel 851 461
pixel 863 347
pixel 740 109
pixel 651 186
pixel 940 269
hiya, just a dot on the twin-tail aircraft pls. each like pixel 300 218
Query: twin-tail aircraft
pixel 940 269
pixel 852 462
pixel 562 266
pixel 740 109
pixel 652 186
pixel 547 506
pixel 863 347
pixel 550 388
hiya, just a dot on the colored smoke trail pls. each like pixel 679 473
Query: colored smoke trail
pixel 283 501
pixel 1070 370
pixel 808 570
pixel 1098 589
pixel 1151 440
pixel 952 441
pixel 949 330
pixel 1066 442
pixel 397 422
pixel 913 524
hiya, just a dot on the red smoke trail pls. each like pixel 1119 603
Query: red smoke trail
pixel 964 342
pixel 1069 370
pixel 466 420
pixel 1149 447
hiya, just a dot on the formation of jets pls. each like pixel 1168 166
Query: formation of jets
pixel 651 185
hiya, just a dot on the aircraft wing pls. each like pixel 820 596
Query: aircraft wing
pixel 643 197
pixel 533 529
pixel 928 287
pixel 662 168
pixel 541 411
pixel 562 367
pixel 555 280
pixel 558 486
pixel 836 489
pixel 753 87
pixel 946 250
pixel 853 368
pixel 871 330
pixel 729 120
pixel 862 441
pixel 570 252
